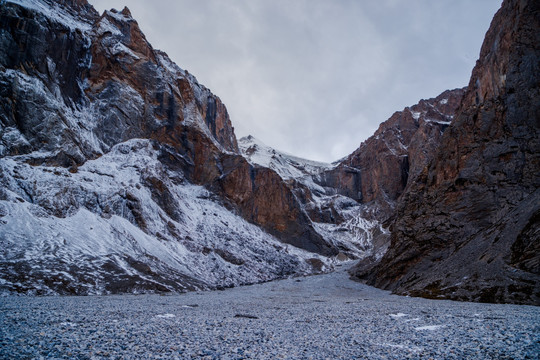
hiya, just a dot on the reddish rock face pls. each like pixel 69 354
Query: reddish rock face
pixel 117 88
pixel 127 62
pixel 462 167
pixel 265 199
pixel 381 168
pixel 260 195
pixel 467 228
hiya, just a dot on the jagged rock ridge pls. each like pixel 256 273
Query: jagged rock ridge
pixel 338 218
pixel 387 163
pixel 468 227
pixel 119 172
pixel 350 200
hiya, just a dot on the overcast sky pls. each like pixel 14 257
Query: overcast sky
pixel 315 78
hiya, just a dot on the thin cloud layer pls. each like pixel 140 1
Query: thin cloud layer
pixel 316 77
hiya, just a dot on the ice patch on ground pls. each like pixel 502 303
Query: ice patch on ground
pixel 428 327
pixel 398 315
pixel 403 347
pixel 166 316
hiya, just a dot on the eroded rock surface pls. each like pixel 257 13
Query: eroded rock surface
pixel 467 228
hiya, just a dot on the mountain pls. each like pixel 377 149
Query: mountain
pixel 119 172
pixel 349 201
pixel 386 164
pixel 401 146
pixel 468 227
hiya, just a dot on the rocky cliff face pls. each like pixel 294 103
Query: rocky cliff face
pixel 401 146
pixel 349 201
pixel 468 227
pixel 380 170
pixel 336 217
pixel 120 172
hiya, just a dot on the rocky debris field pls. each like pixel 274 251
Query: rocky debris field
pixel 317 317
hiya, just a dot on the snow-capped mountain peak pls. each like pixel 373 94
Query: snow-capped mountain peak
pixel 286 165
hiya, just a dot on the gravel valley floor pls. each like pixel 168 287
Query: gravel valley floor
pixel 317 317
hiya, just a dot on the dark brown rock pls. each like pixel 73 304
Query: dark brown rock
pixel 401 146
pixel 380 170
pixel 467 228
pixel 265 199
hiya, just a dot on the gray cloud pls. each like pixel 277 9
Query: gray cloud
pixel 317 77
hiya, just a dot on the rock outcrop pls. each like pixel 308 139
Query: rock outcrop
pixel 119 172
pixel 468 227
pixel 400 148
pixel 336 217
pixel 132 91
pixel 265 199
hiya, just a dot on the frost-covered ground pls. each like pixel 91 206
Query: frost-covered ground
pixel 317 317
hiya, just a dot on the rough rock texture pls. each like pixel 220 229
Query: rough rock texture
pixel 98 128
pixel 397 151
pixel 209 162
pixel 335 216
pixel 318 317
pixel 132 91
pixel 468 227
pixel 119 172
pixel 348 202
pixel 265 199
pixel 380 170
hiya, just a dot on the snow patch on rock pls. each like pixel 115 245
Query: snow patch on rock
pixel 54 12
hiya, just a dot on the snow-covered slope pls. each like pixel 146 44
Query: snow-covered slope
pixel 337 218
pixel 102 229
pixel 286 165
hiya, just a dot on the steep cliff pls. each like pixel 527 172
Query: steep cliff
pixel 338 218
pixel 400 147
pixel 468 227
pixel 379 171
pixel 120 172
